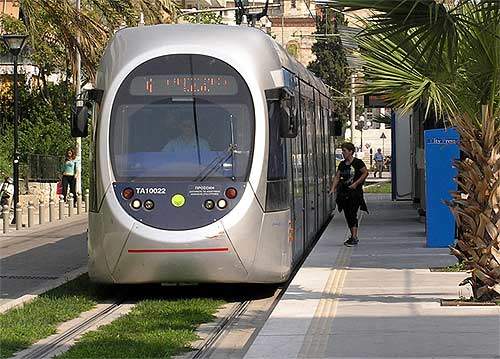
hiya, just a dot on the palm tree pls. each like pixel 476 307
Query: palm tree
pixel 446 54
pixel 87 31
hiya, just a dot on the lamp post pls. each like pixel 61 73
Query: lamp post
pixel 15 44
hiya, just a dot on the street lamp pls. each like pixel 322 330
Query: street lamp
pixel 361 125
pixel 15 44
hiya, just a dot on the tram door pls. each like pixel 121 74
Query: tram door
pixel 298 188
pixel 312 175
pixel 305 167
pixel 319 162
pixel 326 158
pixel 331 158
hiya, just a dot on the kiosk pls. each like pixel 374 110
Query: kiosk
pixel 441 149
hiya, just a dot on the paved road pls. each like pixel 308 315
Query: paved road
pixel 30 260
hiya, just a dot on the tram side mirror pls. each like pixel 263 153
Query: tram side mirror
pixel 337 128
pixel 288 118
pixel 335 125
pixel 80 121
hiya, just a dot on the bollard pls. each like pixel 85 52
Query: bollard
pixel 61 207
pixel 52 205
pixel 19 216
pixel 87 196
pixel 31 208
pixel 71 201
pixel 78 203
pixel 5 216
pixel 41 211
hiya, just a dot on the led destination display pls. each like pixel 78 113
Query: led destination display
pixel 181 85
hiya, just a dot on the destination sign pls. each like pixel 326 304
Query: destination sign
pixel 182 85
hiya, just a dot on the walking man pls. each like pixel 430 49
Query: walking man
pixel 348 184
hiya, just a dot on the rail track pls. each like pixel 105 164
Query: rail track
pixel 54 344
pixel 230 326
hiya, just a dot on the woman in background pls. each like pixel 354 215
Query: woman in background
pixel 348 185
pixel 69 174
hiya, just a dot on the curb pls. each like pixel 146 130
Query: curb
pixel 18 302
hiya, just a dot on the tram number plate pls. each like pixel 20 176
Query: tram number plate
pixel 151 190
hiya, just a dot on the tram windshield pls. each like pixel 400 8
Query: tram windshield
pixel 182 117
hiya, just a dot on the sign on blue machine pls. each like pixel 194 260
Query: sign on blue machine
pixel 441 149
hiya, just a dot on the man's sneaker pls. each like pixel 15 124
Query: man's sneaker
pixel 351 242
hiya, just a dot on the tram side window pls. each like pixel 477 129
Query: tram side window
pixel 277 182
pixel 277 164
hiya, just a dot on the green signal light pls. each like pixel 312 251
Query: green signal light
pixel 178 200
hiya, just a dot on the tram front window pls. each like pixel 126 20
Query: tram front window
pixel 171 135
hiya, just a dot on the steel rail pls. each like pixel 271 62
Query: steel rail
pixel 208 346
pixel 205 350
pixel 49 349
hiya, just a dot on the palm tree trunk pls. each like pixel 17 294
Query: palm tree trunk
pixel 476 205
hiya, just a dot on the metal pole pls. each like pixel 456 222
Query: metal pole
pixel 78 91
pixel 16 140
pixel 31 209
pixel 51 210
pixel 61 207
pixel 71 202
pixel 78 203
pixel 19 216
pixel 353 106
pixel 5 216
pixel 41 211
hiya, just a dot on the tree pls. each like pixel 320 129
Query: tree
pixel 57 25
pixel 448 57
pixel 204 18
pixel 53 27
pixel 331 63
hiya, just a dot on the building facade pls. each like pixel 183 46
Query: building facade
pixel 293 25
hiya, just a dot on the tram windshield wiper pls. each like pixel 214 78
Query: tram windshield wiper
pixel 218 162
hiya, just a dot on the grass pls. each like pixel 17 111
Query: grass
pixel 161 325
pixel 457 267
pixel 153 329
pixel 21 327
pixel 385 187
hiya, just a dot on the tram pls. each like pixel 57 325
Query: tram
pixel 211 157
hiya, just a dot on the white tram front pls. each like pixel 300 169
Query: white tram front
pixel 211 157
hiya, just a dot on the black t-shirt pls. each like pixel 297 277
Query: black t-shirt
pixel 350 173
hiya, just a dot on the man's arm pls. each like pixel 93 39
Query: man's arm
pixel 169 147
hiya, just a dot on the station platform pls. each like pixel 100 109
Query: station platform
pixel 379 299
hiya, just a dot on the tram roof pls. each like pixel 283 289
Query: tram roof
pixel 134 43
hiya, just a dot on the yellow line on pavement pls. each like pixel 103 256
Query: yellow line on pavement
pixel 316 339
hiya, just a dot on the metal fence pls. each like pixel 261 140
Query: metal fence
pixel 43 168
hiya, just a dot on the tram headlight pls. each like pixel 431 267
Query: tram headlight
pixel 136 204
pixel 128 193
pixel 209 204
pixel 149 204
pixel 222 203
pixel 231 193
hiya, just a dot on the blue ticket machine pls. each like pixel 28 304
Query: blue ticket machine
pixel 441 149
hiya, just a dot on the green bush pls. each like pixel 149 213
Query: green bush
pixel 44 127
